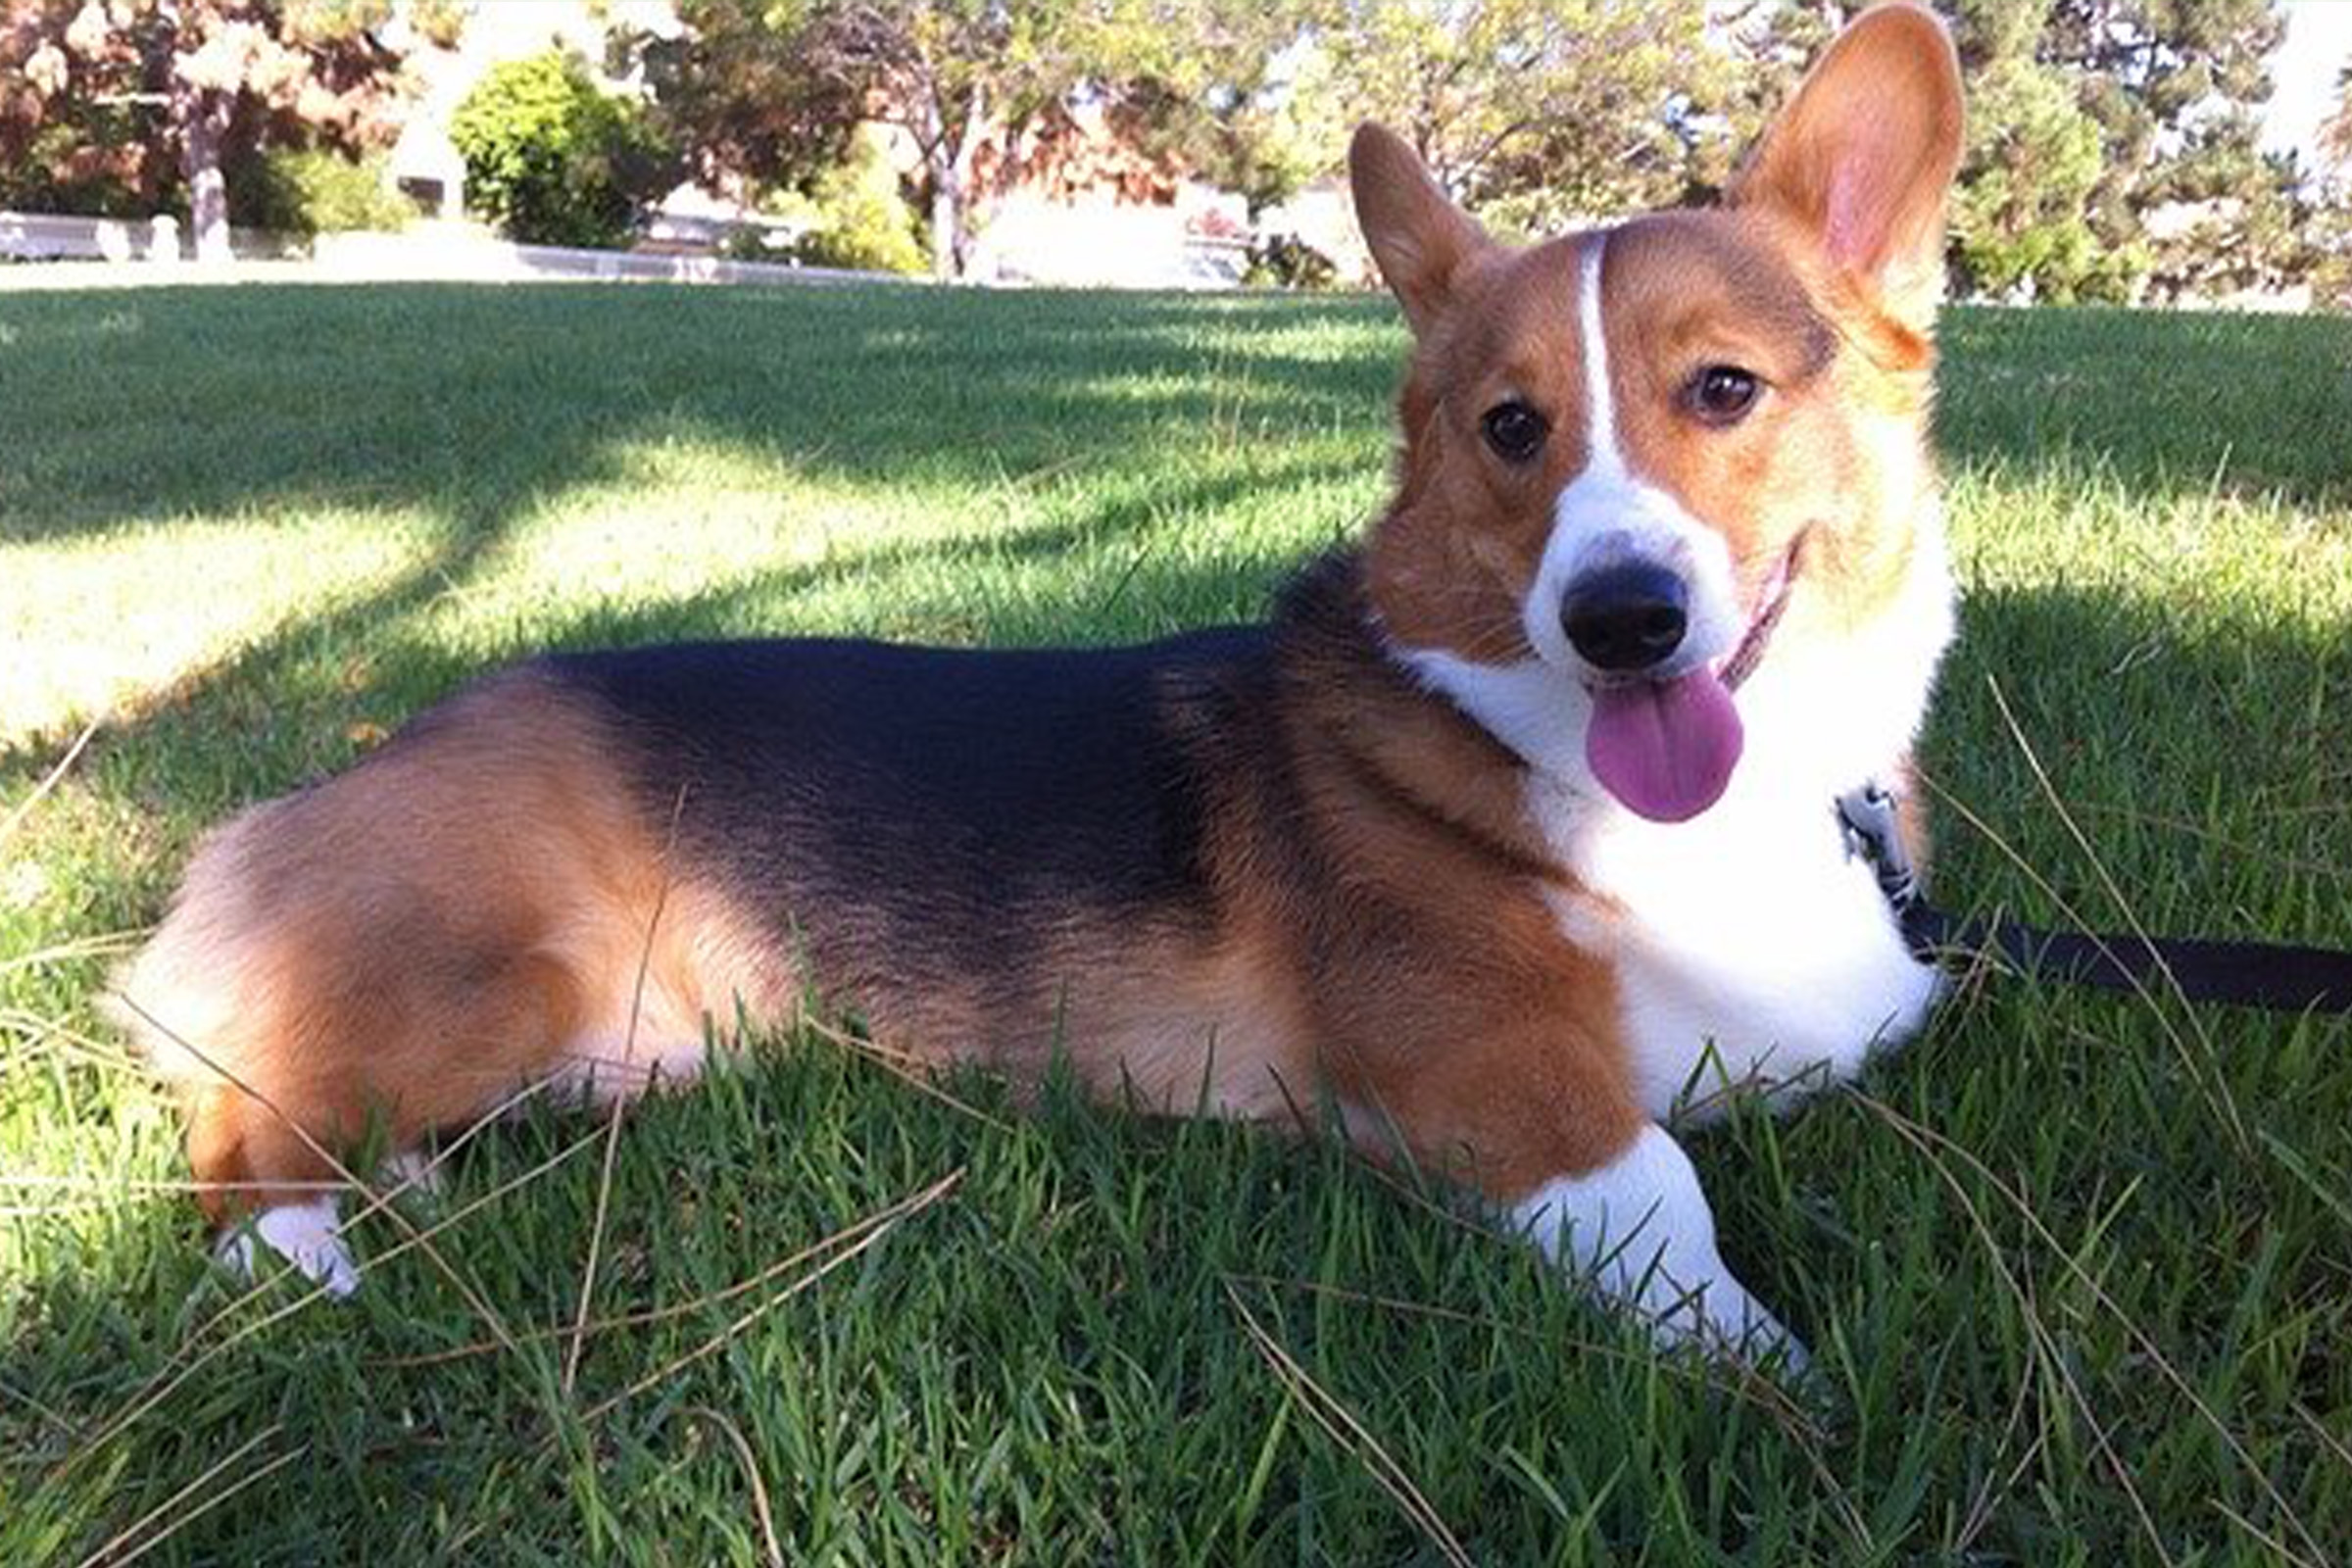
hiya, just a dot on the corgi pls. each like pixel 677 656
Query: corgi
pixel 1510 835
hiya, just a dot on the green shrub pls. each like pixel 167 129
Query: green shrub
pixel 318 191
pixel 863 223
pixel 554 160
pixel 1285 261
pixel 852 217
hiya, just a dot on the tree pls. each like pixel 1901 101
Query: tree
pixel 2086 118
pixel 2035 158
pixel 152 100
pixel 731 90
pixel 2332 221
pixel 1530 109
pixel 2336 132
pixel 949 75
pixel 1213 86
pixel 1769 44
pixel 2175 86
pixel 1531 113
pixel 2238 217
pixel 953 74
pixel 555 158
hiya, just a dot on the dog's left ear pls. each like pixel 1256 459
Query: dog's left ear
pixel 1864 156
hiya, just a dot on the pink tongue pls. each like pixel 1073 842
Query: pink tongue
pixel 1666 749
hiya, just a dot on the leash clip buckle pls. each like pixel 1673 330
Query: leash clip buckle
pixel 1868 818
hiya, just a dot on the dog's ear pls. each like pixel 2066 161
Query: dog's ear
pixel 1862 159
pixel 1420 238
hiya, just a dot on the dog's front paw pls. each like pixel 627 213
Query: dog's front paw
pixel 1767 1344
pixel 1722 1319
pixel 309 1236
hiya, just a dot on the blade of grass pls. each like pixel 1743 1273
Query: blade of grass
pixel 1328 1411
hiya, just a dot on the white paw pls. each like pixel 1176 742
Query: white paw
pixel 1638 1231
pixel 308 1236
pixel 1722 1319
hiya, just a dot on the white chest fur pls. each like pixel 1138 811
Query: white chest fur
pixel 1748 948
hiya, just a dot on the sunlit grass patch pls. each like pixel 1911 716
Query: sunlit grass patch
pixel 98 628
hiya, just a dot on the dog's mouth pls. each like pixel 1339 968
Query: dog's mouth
pixel 1734 668
pixel 1666 748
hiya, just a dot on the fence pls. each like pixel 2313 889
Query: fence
pixel 427 252
pixel 52 237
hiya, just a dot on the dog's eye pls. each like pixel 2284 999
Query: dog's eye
pixel 1515 431
pixel 1722 394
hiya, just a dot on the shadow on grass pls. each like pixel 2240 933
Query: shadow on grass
pixel 474 407
pixel 2205 758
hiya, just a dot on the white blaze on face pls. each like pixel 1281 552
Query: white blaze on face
pixel 1662 738
pixel 1607 517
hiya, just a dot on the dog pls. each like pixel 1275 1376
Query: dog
pixel 1509 838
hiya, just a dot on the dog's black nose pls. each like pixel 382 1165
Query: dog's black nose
pixel 1626 617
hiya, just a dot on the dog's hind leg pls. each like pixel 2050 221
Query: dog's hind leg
pixel 270 1150
pixel 474 911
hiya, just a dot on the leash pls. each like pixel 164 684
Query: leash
pixel 2241 974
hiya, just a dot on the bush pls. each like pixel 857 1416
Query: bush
pixel 554 160
pixel 318 191
pixel 863 222
pixel 852 216
pixel 1285 261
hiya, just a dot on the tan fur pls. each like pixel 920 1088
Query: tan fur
pixel 1451 558
pixel 1858 163
pixel 1836 450
pixel 1448 1015
pixel 1163 1019
pixel 464 913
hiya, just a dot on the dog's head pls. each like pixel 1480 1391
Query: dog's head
pixel 1638 459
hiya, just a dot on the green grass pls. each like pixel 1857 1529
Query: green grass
pixel 2078 1269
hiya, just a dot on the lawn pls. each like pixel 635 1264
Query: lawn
pixel 2078 1269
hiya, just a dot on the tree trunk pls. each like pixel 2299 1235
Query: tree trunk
pixel 949 156
pixel 204 129
pixel 947 216
pixel 967 153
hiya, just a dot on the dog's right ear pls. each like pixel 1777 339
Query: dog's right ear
pixel 1418 236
